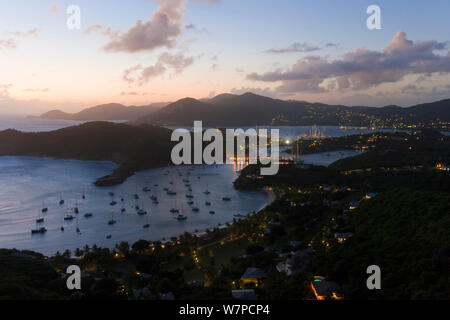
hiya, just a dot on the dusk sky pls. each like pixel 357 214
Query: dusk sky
pixel 318 51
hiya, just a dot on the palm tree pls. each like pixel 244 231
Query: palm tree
pixel 67 253
pixel 123 247
pixel 78 252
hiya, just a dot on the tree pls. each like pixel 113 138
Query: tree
pixel 78 252
pixel 140 245
pixel 67 253
pixel 124 248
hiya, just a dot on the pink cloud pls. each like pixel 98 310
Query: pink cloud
pixel 362 68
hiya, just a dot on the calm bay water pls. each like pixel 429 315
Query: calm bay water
pixel 36 125
pixel 28 184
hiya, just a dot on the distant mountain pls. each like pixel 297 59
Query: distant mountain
pixel 250 109
pixel 111 111
pixel 221 98
pixel 56 115
pixel 430 111
pixel 180 112
pixel 247 109
pixel 132 147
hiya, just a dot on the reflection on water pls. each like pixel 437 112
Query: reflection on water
pixel 29 184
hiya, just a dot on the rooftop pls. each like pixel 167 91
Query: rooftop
pixel 254 273
pixel 246 294
pixel 325 288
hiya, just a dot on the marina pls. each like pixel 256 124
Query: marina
pixel 80 213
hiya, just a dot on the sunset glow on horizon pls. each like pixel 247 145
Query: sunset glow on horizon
pixel 144 51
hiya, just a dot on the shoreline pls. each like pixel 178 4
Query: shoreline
pixel 271 197
pixel 228 219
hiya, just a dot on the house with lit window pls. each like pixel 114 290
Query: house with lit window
pixel 342 236
pixel 253 275
pixel 442 167
pixel 297 262
pixel 370 195
pixel 326 290
pixel 353 205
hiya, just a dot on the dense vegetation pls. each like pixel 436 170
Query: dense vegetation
pixel 28 275
pixel 406 233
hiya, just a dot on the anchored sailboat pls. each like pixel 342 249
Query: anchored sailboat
pixel 40 218
pixel 112 221
pixel 44 208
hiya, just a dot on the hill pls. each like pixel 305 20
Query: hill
pixel 250 109
pixel 132 147
pixel 56 115
pixel 26 275
pixel 405 233
pixel 110 111
pixel 226 109
pixel 179 113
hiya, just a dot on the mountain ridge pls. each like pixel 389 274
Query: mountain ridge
pixel 108 111
pixel 251 109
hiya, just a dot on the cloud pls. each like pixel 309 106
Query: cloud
pixel 36 90
pixel 139 75
pixel 295 47
pixel 192 27
pixel 4 89
pixel 98 28
pixel 178 62
pixel 161 30
pixel 267 92
pixel 151 72
pixel 129 93
pixel 210 1
pixel 362 68
pixel 12 41
pixel 8 43
pixel 29 33
pixel 410 88
pixel 55 8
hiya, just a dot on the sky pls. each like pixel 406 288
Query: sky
pixel 137 52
